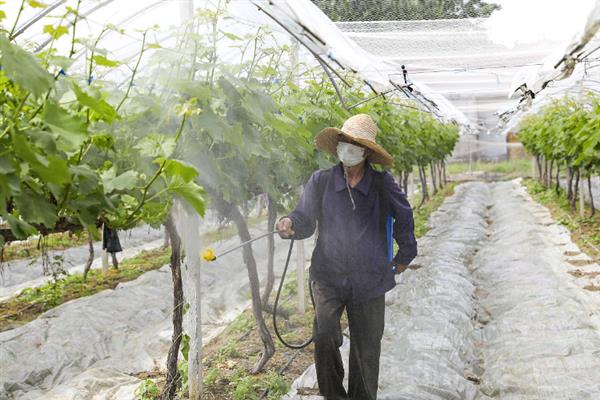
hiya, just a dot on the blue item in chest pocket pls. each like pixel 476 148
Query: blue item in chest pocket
pixel 389 225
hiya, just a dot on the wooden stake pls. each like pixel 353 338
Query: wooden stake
pixel 581 199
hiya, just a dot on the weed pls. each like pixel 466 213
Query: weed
pixel 64 287
pixel 210 377
pixel 421 215
pixel 520 167
pixel 147 390
pixel 243 323
pixel 31 247
pixel 229 350
pixel 244 389
pixel 182 367
pixel 585 231
pixel 275 384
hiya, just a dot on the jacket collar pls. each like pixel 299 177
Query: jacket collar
pixel 363 186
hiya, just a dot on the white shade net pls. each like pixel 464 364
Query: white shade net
pixel 464 70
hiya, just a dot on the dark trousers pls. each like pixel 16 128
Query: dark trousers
pixel 366 321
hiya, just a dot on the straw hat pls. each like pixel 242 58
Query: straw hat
pixel 360 129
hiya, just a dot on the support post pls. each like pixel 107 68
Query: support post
pixel 188 224
pixel 104 255
pixel 581 198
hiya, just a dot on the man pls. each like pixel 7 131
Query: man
pixel 350 269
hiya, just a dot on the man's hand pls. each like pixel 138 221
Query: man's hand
pixel 284 228
pixel 400 268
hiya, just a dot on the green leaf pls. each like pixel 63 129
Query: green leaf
pixel 61 61
pixel 105 62
pixel 2 16
pixel 27 152
pixel 52 169
pixel 23 68
pixel 9 185
pixel 178 168
pixel 153 46
pixel 126 181
pixel 6 165
pixel 156 145
pixel 104 141
pixel 71 130
pixel 185 345
pixel 191 192
pixel 99 106
pixel 56 32
pixel 36 209
pixel 20 228
pixel 57 171
pixel 231 36
pixel 87 180
pixel 36 4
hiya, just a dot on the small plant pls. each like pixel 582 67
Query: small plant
pixel 182 367
pixel 210 378
pixel 275 384
pixel 147 390
pixel 244 389
pixel 242 323
pixel 229 350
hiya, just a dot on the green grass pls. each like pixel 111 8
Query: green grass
pixel 585 231
pixel 421 215
pixel 515 168
pixel 34 301
pixel 31 247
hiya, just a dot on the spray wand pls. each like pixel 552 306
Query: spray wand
pixel 209 255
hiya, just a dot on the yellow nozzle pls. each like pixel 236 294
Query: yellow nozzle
pixel 209 255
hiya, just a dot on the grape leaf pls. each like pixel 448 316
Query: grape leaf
pixel 191 192
pixel 156 145
pixel 126 181
pixel 23 68
pixel 19 228
pixel 57 31
pixel 105 62
pixel 99 106
pixel 34 208
pixel 179 168
pixel 36 4
pixel 70 129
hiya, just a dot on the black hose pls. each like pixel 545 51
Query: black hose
pixel 286 344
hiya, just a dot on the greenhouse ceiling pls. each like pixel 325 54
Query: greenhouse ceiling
pixel 468 70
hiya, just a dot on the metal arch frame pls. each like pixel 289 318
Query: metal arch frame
pixel 409 95
pixel 84 15
pixel 326 67
pixel 37 17
pixel 96 8
pixel 329 69
pixel 324 64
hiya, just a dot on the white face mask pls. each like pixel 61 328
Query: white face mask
pixel 349 154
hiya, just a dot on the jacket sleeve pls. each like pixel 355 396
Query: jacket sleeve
pixel 404 225
pixel 304 216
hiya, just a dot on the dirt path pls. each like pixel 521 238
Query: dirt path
pixel 494 313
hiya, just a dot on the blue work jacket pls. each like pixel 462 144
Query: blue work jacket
pixel 351 246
